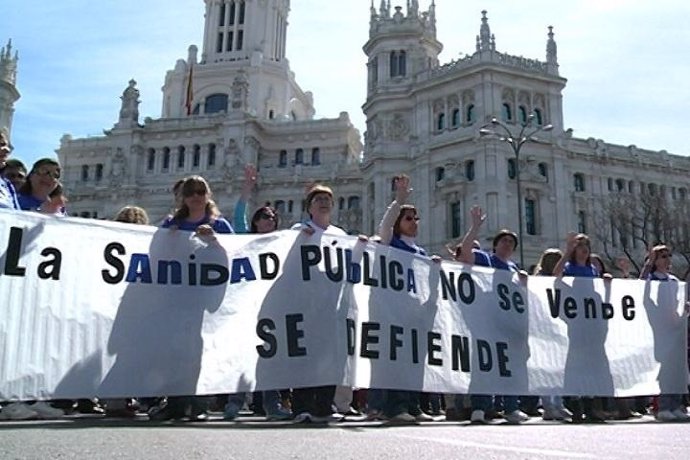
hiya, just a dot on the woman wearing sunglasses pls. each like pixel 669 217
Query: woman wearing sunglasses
pixel 42 180
pixel 196 211
pixel 398 229
pixel 264 220
pixel 658 268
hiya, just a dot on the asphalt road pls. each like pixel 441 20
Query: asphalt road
pixel 251 438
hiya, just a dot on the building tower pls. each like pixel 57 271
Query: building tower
pixel 8 85
pixel 242 67
pixel 402 47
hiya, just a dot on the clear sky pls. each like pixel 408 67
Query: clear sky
pixel 626 61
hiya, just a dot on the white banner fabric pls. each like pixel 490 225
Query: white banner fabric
pixel 92 308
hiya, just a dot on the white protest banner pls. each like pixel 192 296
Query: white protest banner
pixel 90 308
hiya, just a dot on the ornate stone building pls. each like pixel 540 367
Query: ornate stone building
pixel 423 118
pixel 238 102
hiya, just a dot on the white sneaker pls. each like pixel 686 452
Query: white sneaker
pixel 46 411
pixel 516 417
pixel 303 417
pixel 478 416
pixel 18 411
pixel 665 416
pixel 423 417
pixel 681 414
pixel 552 413
pixel 403 417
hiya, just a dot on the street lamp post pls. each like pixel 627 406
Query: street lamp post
pixel 526 134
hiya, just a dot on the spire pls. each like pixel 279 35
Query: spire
pixel 385 9
pixel 412 8
pixel 372 11
pixel 485 40
pixel 551 53
pixel 8 63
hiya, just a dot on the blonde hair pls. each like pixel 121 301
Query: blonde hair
pixel 547 262
pixel 132 215
pixel 186 187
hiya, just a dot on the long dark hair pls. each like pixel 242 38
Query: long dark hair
pixel 259 213
pixel 26 188
pixel 403 210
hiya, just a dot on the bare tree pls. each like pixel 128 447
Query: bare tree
pixel 626 224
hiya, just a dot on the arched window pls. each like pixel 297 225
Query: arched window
pixel 507 112
pixel 512 168
pixel 398 64
pixel 280 206
pixel 455 219
pixel 240 19
pixel 440 173
pixel 353 202
pixel 469 114
pixel 341 203
pixel 166 158
pixel 469 170
pixel 579 182
pixel 620 185
pixel 544 170
pixel 196 156
pixel 609 184
pixel 299 156
pixel 531 216
pixel 150 159
pixel 99 171
pixel 455 118
pixel 85 173
pixel 282 159
pixel 180 157
pixel 211 155
pixel 315 156
pixel 523 114
pixel 216 103
pixel 441 122
pixel 538 118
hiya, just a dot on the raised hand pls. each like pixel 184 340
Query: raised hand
pixel 477 215
pixel 402 189
pixel 250 176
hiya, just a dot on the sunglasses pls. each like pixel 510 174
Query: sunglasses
pixel 267 216
pixel 410 218
pixel 200 192
pixel 665 256
pixel 48 172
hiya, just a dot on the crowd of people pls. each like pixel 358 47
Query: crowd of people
pixel 39 190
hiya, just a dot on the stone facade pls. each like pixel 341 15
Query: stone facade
pixel 239 103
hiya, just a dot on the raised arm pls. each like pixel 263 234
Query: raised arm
pixel 570 244
pixel 239 221
pixel 478 217
pixel 402 192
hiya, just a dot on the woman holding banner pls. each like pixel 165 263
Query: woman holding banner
pixel 196 212
pixel 658 268
pixel 264 220
pixel 398 228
